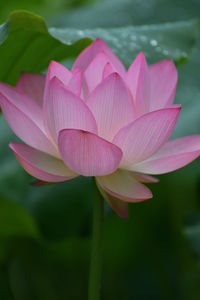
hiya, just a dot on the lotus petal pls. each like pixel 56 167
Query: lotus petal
pixel 88 154
pixel 146 135
pixel 163 84
pixel 111 105
pixel 123 185
pixel 173 155
pixel 87 55
pixel 25 128
pixel 40 165
pixel 63 109
pixel 138 80
pixel 32 84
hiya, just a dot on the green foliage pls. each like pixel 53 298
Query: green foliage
pixel 18 221
pixel 35 46
pixel 117 13
pixel 43 7
pixel 193 234
pixel 174 40
pixel 45 231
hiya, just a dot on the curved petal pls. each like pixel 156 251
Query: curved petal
pixel 88 154
pixel 94 73
pixel 119 206
pixel 86 56
pixel 23 102
pixel 108 69
pixel 146 135
pixel 163 76
pixel 40 165
pixel 138 81
pixel 25 128
pixel 57 70
pixel 72 80
pixel 145 178
pixel 111 106
pixel 63 109
pixel 75 83
pixel 173 155
pixel 123 185
pixel 32 84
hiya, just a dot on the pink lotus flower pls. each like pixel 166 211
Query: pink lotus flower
pixel 99 120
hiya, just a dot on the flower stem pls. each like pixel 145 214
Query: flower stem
pixel 96 252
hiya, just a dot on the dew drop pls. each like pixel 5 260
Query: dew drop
pixel 80 33
pixel 153 43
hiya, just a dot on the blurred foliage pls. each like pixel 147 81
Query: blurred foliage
pixel 175 40
pixel 45 231
pixel 192 231
pixel 43 7
pixel 117 13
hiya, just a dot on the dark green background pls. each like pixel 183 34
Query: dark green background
pixel 45 232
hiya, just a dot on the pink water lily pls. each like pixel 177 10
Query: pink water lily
pixel 99 120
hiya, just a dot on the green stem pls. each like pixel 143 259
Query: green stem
pixel 96 252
